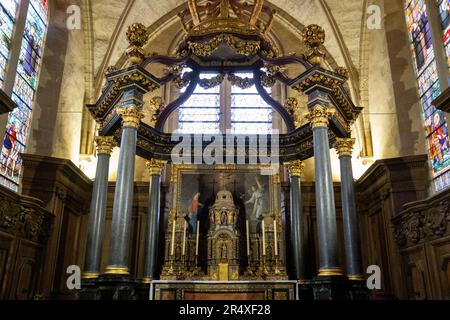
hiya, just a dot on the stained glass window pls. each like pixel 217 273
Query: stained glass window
pixel 25 86
pixel 250 114
pixel 201 113
pixel 429 89
pixel 8 11
pixel 444 12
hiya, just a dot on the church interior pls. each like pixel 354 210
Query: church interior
pixel 225 150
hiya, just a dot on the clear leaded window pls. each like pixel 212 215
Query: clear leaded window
pixel 225 108
pixel 201 113
pixel 249 112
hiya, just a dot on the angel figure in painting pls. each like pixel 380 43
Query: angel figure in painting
pixel 257 200
pixel 192 215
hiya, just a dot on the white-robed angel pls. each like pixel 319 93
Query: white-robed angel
pixel 257 199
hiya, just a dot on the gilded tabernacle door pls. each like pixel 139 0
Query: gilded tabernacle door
pixel 225 224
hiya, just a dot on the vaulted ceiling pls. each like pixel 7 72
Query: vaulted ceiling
pixel 342 21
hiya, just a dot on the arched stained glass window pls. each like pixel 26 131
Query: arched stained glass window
pixel 444 12
pixel 429 89
pixel 24 90
pixel 8 12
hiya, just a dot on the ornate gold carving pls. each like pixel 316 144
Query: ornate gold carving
pixel 343 72
pixel 296 168
pixel 242 83
pixel 213 82
pixel 344 147
pixel 155 167
pixel 291 106
pixel 110 69
pixel 319 116
pixel 105 145
pixel 137 37
pixel 314 37
pixel 208 17
pixel 242 47
pixel 117 271
pixel 267 80
pixel 131 116
pixel 156 107
pixel 330 272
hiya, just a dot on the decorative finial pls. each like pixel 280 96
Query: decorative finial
pixel 137 37
pixel 314 38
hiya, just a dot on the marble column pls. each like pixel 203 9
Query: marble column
pixel 344 148
pixel 131 113
pixel 97 215
pixel 154 206
pixel 325 205
pixel 298 244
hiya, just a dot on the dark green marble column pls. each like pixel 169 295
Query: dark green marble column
pixel 97 214
pixel 344 148
pixel 131 113
pixel 325 201
pixel 297 237
pixel 151 251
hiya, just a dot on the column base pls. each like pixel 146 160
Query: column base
pixel 146 280
pixel 119 271
pixel 109 288
pixel 332 272
pixel 90 275
pixel 338 288
pixel 356 277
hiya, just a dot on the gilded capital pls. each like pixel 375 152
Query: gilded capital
pixel 131 116
pixel 296 168
pixel 105 145
pixel 344 147
pixel 155 166
pixel 320 116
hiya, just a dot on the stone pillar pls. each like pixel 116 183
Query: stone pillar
pixel 326 210
pixel 131 113
pixel 97 215
pixel 151 250
pixel 298 244
pixel 344 148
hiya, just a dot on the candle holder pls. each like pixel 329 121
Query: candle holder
pixel 277 269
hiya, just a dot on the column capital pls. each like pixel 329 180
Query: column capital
pixel 155 166
pixel 105 145
pixel 344 146
pixel 131 116
pixel 296 168
pixel 319 116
